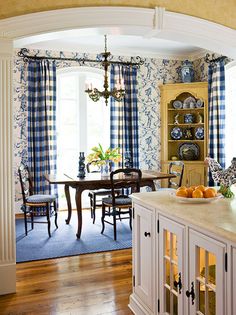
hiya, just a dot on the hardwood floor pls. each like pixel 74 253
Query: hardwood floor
pixel 90 284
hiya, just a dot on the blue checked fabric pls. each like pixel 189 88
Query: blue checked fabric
pixel 42 149
pixel 124 114
pixel 216 95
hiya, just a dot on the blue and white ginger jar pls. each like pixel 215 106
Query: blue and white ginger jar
pixel 187 72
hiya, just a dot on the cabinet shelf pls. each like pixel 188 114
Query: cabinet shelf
pixel 186 109
pixel 186 140
pixel 186 125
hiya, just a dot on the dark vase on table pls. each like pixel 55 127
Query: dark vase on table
pixel 81 165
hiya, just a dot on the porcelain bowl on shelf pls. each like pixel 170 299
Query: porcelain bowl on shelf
pixel 177 104
pixel 199 133
pixel 199 103
pixel 189 102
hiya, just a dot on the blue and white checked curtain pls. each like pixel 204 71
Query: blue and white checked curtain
pixel 216 95
pixel 42 123
pixel 124 114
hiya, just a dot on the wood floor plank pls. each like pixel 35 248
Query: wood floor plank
pixel 92 284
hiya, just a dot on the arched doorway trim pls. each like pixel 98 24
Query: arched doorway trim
pixel 156 22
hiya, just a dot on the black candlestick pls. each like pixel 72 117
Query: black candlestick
pixel 81 165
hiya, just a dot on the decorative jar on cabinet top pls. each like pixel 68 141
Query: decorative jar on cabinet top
pixel 187 72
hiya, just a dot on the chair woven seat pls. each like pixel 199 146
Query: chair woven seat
pixel 123 201
pixel 96 195
pixel 35 205
pixel 40 198
pixel 126 180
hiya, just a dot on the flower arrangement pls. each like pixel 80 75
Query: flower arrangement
pixel 99 156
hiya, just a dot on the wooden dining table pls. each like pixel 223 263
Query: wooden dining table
pixel 95 181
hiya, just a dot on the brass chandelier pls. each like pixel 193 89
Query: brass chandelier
pixel 118 92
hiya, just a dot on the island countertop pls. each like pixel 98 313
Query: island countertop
pixel 218 217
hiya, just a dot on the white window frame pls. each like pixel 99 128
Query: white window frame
pixel 82 114
pixel 82 108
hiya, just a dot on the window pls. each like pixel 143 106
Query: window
pixel 81 123
pixel 230 115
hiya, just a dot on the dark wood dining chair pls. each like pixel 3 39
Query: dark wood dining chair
pixel 119 206
pixel 35 205
pixel 176 168
pixel 95 196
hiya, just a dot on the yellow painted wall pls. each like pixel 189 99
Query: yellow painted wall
pixel 219 11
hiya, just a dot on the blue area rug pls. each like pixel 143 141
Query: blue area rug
pixel 63 242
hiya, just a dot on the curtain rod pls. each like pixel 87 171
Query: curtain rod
pixel 214 60
pixel 134 61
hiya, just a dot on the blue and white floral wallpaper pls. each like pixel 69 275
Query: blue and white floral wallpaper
pixel 150 75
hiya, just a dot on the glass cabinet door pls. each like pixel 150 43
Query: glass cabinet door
pixel 206 283
pixel 171 267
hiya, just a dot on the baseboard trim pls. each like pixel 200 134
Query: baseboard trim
pixel 8 278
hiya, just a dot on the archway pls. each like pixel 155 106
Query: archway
pixel 148 22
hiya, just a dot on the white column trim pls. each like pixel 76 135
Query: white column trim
pixel 7 222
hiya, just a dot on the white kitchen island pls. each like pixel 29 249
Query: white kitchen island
pixel 184 256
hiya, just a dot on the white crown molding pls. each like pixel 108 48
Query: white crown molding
pixel 156 22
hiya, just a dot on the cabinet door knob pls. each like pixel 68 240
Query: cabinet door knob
pixel 191 293
pixel 179 283
pixel 147 234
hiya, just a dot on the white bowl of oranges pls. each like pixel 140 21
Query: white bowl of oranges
pixel 196 194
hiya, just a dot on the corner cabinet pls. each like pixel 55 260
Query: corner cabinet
pixel 184 128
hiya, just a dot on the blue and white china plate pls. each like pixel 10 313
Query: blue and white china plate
pixel 199 103
pixel 177 104
pixel 176 133
pixel 199 133
pixel 189 102
pixel 189 151
pixel 195 200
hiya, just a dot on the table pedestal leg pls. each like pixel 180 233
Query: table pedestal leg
pixel 67 193
pixel 79 210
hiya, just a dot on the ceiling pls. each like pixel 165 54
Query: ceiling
pixel 92 41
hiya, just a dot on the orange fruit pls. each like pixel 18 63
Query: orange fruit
pixel 209 192
pixel 190 192
pixel 197 193
pixel 201 187
pixel 182 193
pixel 193 187
pixel 182 188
